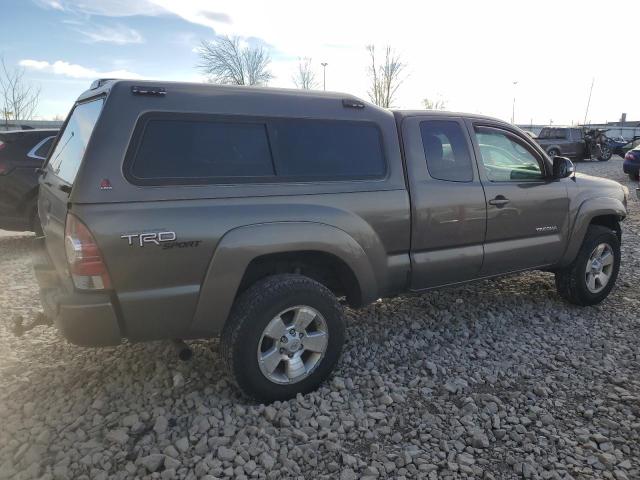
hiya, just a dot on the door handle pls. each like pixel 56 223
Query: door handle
pixel 500 201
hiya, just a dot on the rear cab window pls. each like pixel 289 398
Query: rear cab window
pixel 446 151
pixel 180 149
pixel 69 151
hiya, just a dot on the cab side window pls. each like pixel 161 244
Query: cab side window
pixel 446 151
pixel 505 159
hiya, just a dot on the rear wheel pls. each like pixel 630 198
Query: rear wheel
pixel 606 154
pixel 592 275
pixel 553 152
pixel 283 337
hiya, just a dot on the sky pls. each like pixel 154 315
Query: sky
pixel 477 56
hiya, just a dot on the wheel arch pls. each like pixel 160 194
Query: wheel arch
pixel 604 211
pixel 246 254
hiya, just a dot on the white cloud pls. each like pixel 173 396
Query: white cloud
pixel 119 35
pixel 107 8
pixel 72 70
pixel 54 4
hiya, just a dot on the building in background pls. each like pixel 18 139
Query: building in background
pixel 29 124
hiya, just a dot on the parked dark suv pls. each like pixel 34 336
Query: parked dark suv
pixel 182 211
pixel 22 153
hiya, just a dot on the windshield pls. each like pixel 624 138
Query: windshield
pixel 67 156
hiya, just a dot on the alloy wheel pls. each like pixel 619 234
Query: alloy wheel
pixel 293 344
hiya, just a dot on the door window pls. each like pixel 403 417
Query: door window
pixel 446 150
pixel 505 159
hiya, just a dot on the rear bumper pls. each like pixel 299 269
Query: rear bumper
pixel 630 166
pixel 86 319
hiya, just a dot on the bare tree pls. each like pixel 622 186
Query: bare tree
pixel 18 99
pixel 226 60
pixel 386 77
pixel 438 104
pixel 305 77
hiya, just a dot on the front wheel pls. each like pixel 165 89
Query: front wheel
pixel 592 275
pixel 283 337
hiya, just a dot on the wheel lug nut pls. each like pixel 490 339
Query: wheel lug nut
pixel 284 339
pixel 281 350
pixel 292 331
pixel 291 355
pixel 301 334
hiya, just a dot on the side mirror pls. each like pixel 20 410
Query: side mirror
pixel 562 167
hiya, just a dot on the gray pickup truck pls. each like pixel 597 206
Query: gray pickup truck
pixel 566 141
pixel 182 211
pixel 575 142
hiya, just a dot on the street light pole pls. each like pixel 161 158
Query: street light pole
pixel 324 75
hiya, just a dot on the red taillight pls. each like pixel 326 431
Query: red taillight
pixel 629 156
pixel 2 144
pixel 86 265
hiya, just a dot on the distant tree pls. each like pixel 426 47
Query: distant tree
pixel 226 60
pixel 305 77
pixel 385 77
pixel 438 104
pixel 18 99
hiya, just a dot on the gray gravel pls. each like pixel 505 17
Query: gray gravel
pixel 499 379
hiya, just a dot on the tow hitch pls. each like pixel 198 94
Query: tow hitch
pixel 19 328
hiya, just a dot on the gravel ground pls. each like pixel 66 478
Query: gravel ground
pixel 499 379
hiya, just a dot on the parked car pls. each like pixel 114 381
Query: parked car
pixel 575 142
pixel 624 148
pixel 631 164
pixel 182 211
pixel 22 152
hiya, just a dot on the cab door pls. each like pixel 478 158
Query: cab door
pixel 447 201
pixel 527 210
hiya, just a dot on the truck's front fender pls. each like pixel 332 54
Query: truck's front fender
pixel 240 246
pixel 588 210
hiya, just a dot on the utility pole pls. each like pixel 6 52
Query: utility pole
pixel 7 113
pixel 513 106
pixel 589 101
pixel 324 75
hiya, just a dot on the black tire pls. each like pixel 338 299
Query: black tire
pixel 251 314
pixel 634 176
pixel 571 282
pixel 606 154
pixel 553 152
